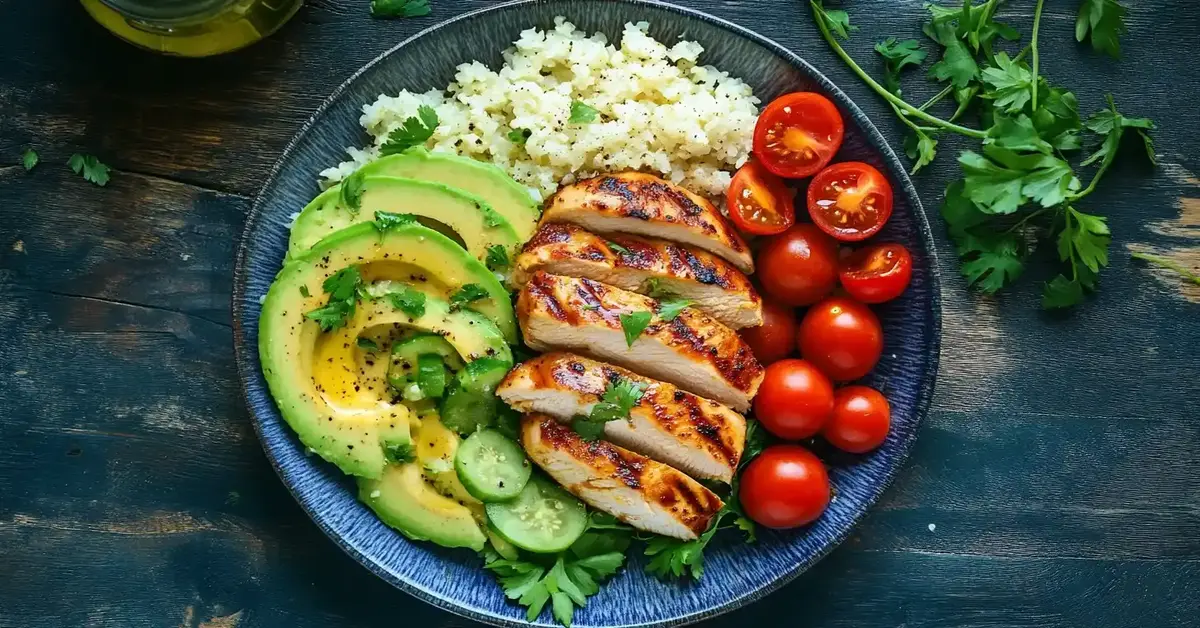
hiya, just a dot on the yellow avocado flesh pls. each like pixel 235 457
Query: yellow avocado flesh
pixel 479 226
pixel 403 499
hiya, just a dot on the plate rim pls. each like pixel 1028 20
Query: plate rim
pixel 874 137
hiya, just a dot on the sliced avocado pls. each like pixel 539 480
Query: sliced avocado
pixel 322 391
pixel 414 254
pixel 511 199
pixel 472 403
pixel 403 500
pixel 472 218
pixel 435 447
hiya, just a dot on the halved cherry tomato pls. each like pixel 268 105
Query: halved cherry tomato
pixel 795 400
pixel 772 341
pixel 842 337
pixel 877 273
pixel 759 202
pixel 850 201
pixel 861 419
pixel 798 134
pixel 786 486
pixel 799 266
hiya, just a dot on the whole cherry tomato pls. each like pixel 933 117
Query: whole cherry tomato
pixel 842 337
pixel 799 266
pixel 773 340
pixel 759 202
pixel 795 400
pixel 850 201
pixel 798 134
pixel 861 419
pixel 877 273
pixel 784 487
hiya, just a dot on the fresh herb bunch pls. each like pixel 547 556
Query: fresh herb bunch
pixel 1020 189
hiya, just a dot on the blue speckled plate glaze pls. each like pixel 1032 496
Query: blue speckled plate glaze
pixel 735 573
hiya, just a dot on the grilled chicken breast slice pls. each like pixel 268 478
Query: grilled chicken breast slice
pixel 645 494
pixel 700 437
pixel 638 264
pixel 643 204
pixel 692 351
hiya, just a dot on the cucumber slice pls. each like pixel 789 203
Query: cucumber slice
pixel 492 467
pixel 544 518
pixel 505 549
pixel 431 375
pixel 406 354
pixel 471 403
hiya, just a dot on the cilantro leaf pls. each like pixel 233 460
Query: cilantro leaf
pixel 957 64
pixel 757 440
pixel 581 113
pixel 29 159
pixel 399 8
pixel 497 258
pixel 409 301
pixel 670 308
pixel 1085 237
pixel 93 170
pixel 836 20
pixel 1011 83
pixel 467 294
pixel 618 400
pixel 1017 134
pixel 519 136
pixel 653 288
pixel 1057 118
pixel 415 131
pixel 990 263
pixel 1111 125
pixel 633 325
pixel 1001 180
pixel 399 453
pixel 367 343
pixel 343 288
pixel 674 559
pixel 1061 292
pixel 389 220
pixel 574 576
pixel 352 191
pixel 1104 21
pixel 898 55
pixel 921 148
pixel 617 248
pixel 304 292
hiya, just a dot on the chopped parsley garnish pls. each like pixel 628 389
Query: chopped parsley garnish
pixel 304 292
pixel 519 136
pixel 29 158
pixel 344 289
pixel 399 453
pixel 668 309
pixel 409 301
pixel 497 258
pixel 352 191
pixel 92 169
pixel 618 401
pixel 399 8
pixel 581 113
pixel 367 343
pixel 468 293
pixel 389 220
pixel 634 324
pixel 414 132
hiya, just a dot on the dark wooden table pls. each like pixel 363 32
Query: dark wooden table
pixel 1056 481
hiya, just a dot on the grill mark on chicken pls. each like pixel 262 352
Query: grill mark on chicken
pixel 627 468
pixel 550 233
pixel 541 289
pixel 740 369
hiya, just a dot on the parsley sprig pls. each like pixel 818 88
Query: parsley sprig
pixel 465 295
pixel 415 131
pixel 93 170
pixel 1020 188
pixel 399 8
pixel 618 400
pixel 345 288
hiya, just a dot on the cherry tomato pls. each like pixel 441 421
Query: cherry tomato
pixel 784 487
pixel 860 421
pixel 850 201
pixel 799 266
pixel 795 400
pixel 772 341
pixel 798 134
pixel 877 273
pixel 759 202
pixel 842 337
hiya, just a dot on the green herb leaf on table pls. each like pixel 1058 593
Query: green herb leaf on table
pixel 390 220
pixel 93 170
pixel 415 131
pixel 519 136
pixel 352 191
pixel 29 159
pixel 957 64
pixel 582 113
pixel 497 258
pixel 634 324
pixel 465 295
pixel 837 21
pixel 1104 22
pixel 409 301
pixel 399 8
pixel 898 55
pixel 1110 124
pixel 1011 83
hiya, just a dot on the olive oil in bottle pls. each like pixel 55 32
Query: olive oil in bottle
pixel 192 28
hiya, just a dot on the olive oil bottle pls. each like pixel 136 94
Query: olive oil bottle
pixel 192 28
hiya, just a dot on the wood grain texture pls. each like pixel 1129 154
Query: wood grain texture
pixel 1055 483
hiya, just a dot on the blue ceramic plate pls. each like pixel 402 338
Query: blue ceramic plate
pixel 735 573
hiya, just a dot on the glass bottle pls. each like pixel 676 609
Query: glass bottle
pixel 192 28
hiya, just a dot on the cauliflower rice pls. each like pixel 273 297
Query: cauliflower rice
pixel 660 111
